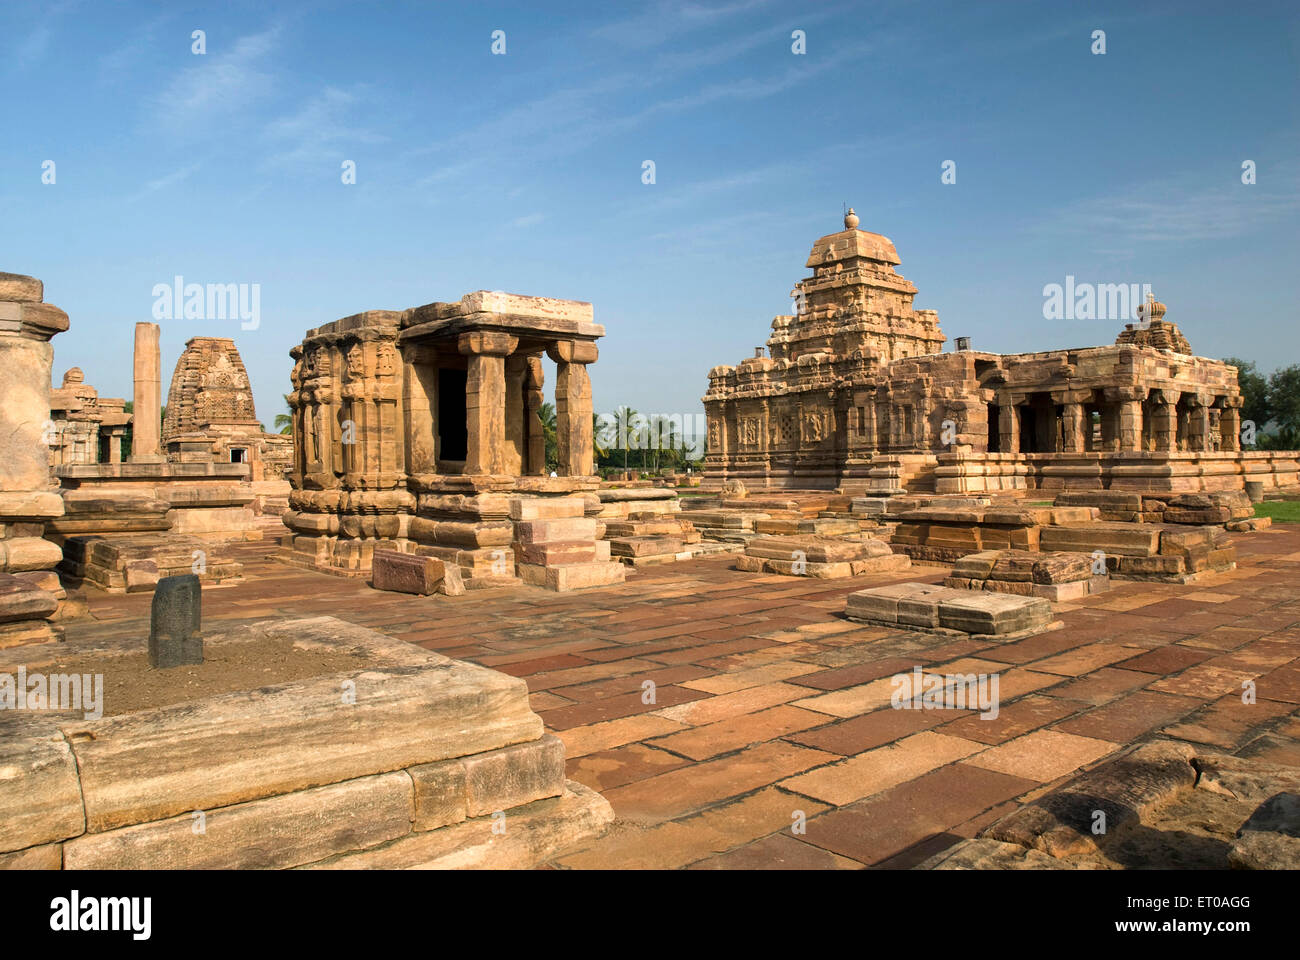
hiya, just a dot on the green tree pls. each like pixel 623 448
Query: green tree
pixel 1284 405
pixel 284 421
pixel 546 413
pixel 1254 392
pixel 598 438
pixel 624 420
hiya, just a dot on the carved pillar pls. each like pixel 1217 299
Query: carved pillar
pixel 485 399
pixel 147 400
pixel 114 448
pixel 1072 439
pixel 1230 427
pixel 573 406
pixel 420 402
pixel 1008 425
pixel 515 451
pixel 534 383
pixel 1164 432
pixel 1198 425
pixel 1129 413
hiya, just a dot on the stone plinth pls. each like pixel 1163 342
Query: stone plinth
pixel 213 501
pixel 818 556
pixel 393 756
pixel 1052 576
pixel 949 611
pixel 558 547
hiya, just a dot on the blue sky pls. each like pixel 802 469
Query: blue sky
pixel 523 171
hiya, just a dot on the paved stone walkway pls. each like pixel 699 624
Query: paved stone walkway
pixel 768 705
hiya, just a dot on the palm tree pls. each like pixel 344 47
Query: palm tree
pixel 597 435
pixel 284 421
pixel 623 417
pixel 546 413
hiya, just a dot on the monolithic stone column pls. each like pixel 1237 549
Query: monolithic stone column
pixel 485 399
pixel 1130 425
pixel 1198 425
pixel 1164 429
pixel 1008 427
pixel 573 406
pixel 420 401
pixel 515 451
pixel 536 434
pixel 147 407
pixel 114 448
pixel 1230 428
pixel 1072 437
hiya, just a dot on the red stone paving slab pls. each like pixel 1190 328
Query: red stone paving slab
pixel 1165 660
pixel 1129 717
pixel 1101 686
pixel 873 830
pixel 680 792
pixel 1023 716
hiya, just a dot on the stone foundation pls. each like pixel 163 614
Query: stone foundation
pixel 950 612
pixel 411 760
pixel 822 557
pixel 1052 576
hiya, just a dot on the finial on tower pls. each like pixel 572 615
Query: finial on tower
pixel 851 220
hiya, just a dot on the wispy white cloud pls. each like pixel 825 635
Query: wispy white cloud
pixel 319 129
pixel 660 22
pixel 529 220
pixel 163 182
pixel 1182 209
pixel 219 83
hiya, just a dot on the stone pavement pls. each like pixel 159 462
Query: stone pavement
pixel 768 705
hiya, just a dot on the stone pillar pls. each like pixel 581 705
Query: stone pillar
pixel 573 406
pixel 536 434
pixel 146 413
pixel 1230 429
pixel 1198 426
pixel 420 402
pixel 515 452
pixel 485 399
pixel 1130 425
pixel 1072 436
pixel 1008 427
pixel 1164 427
pixel 114 448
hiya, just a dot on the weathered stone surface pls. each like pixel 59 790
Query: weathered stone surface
pixel 22 600
pixel 1270 839
pixel 525 836
pixel 244 746
pixel 984 854
pixel 548 508
pixel 1125 789
pixel 48 856
pixel 271 833
pixel 993 613
pixel 408 573
pixel 40 800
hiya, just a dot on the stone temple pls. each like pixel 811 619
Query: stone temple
pixel 856 395
pixel 418 432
